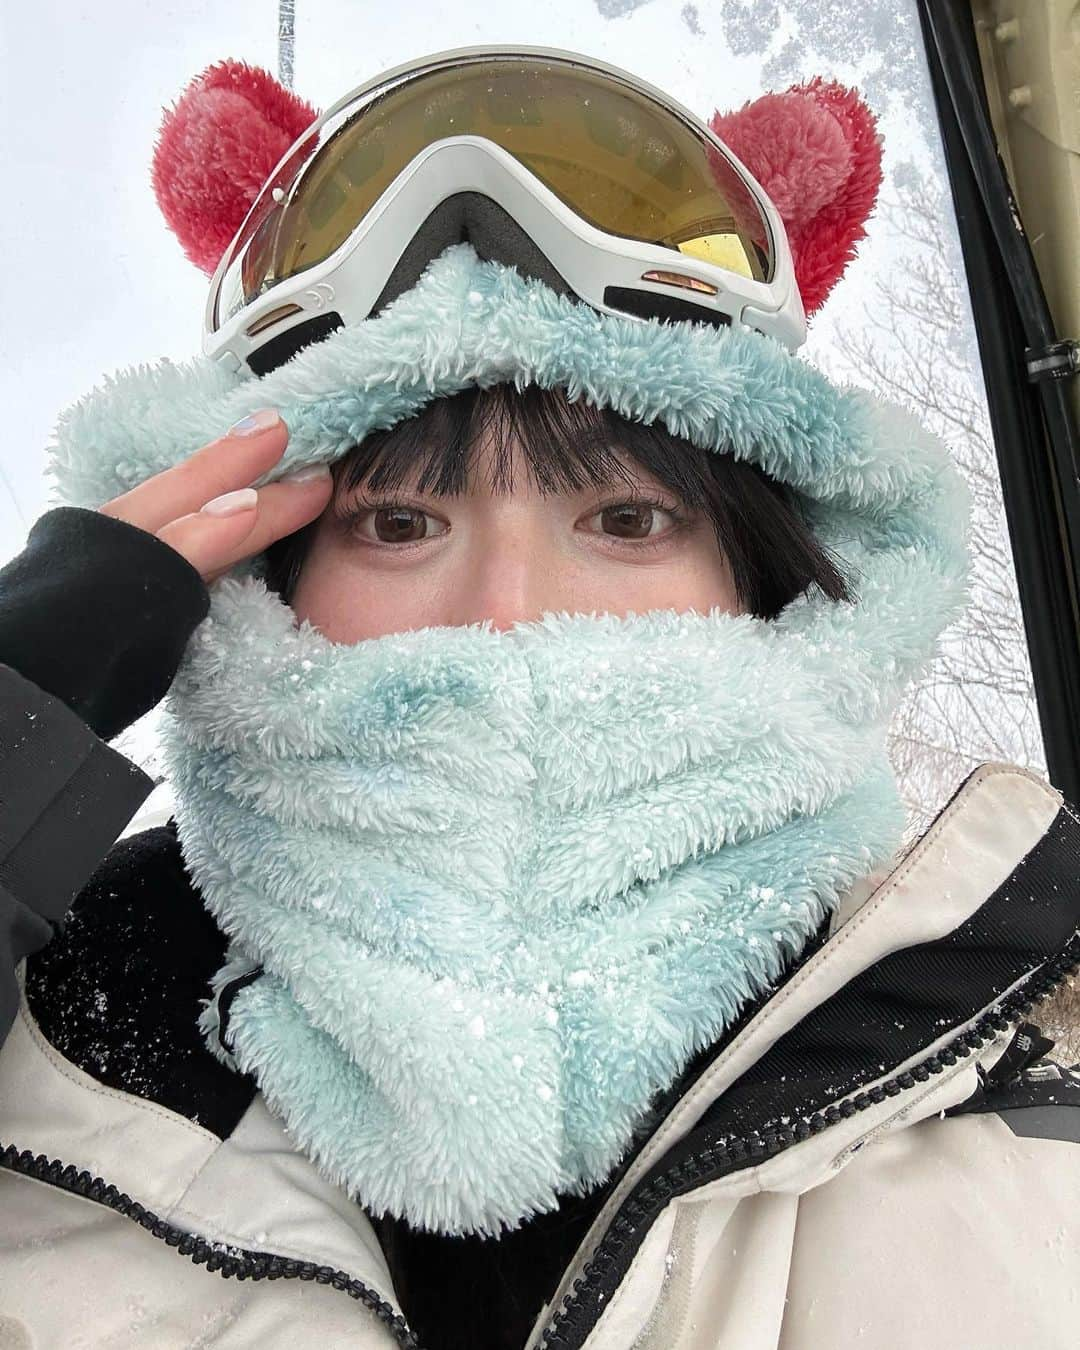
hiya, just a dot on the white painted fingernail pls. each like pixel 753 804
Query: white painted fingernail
pixel 255 422
pixel 310 474
pixel 231 503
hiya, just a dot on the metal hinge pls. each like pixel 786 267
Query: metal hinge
pixel 1055 362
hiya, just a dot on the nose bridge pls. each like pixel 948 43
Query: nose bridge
pixel 510 576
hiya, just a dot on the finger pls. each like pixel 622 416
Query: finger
pixel 225 464
pixel 213 542
pixel 281 514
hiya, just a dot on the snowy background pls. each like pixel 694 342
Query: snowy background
pixel 95 282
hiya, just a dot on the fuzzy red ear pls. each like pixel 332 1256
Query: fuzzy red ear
pixel 215 150
pixel 816 151
pixel 814 148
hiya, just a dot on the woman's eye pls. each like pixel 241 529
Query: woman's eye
pixel 396 524
pixel 634 520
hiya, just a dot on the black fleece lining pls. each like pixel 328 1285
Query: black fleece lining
pixel 119 990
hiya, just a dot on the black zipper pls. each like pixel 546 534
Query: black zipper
pixel 589 1293
pixel 228 1261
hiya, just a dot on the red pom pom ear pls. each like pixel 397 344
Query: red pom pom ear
pixel 215 150
pixel 816 151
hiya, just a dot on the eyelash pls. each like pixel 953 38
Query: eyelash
pixel 360 506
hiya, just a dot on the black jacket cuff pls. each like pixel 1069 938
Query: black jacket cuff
pixel 98 612
pixel 66 798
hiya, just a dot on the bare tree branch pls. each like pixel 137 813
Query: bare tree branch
pixel 977 701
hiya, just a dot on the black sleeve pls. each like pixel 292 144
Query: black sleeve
pixel 98 612
pixel 94 617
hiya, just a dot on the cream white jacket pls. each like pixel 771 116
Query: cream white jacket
pixel 834 1176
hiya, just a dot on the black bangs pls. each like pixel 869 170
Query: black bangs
pixel 567 446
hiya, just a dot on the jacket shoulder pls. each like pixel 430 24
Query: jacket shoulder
pixel 119 989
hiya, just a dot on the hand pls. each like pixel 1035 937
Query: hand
pixel 205 509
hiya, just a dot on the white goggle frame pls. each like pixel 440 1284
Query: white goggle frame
pixel 350 280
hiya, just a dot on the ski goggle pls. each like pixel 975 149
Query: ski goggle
pixel 631 200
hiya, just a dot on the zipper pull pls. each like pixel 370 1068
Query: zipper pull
pixel 1027 1045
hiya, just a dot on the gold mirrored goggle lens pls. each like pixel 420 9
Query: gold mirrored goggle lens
pixel 619 160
